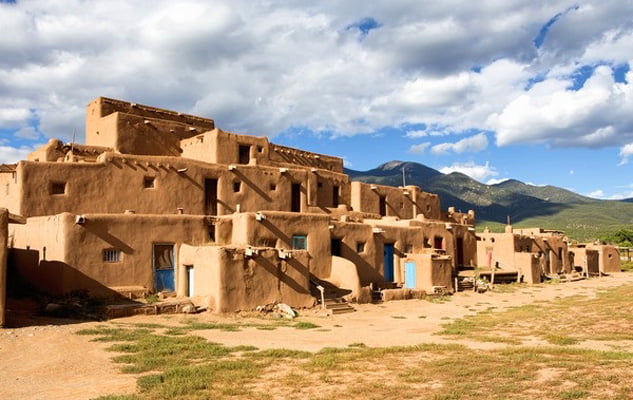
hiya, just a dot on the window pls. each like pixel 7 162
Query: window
pixel 360 247
pixel 335 196
pixel 237 186
pixel 58 188
pixel 111 255
pixel 149 182
pixel 299 242
pixel 273 186
pixel 408 248
pixel 260 149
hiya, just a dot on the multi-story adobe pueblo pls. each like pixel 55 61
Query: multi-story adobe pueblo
pixel 157 201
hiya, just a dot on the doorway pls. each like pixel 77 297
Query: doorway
pixel 460 252
pixel 211 196
pixel 409 275
pixel 163 264
pixel 295 197
pixel 388 262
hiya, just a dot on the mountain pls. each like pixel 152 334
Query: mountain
pixel 552 207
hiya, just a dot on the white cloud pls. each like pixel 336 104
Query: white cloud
pixel 478 172
pixel 598 194
pixel 625 152
pixel 261 67
pixel 419 148
pixel 10 154
pixel 596 115
pixel 471 144
pixel 495 181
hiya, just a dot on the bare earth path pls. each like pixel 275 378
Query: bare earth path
pixel 46 360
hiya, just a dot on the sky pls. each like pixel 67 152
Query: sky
pixel 535 90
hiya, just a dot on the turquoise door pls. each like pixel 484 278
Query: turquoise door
pixel 388 262
pixel 409 274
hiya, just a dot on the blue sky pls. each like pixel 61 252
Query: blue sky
pixel 538 91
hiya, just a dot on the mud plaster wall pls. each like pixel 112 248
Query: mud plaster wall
pixel 75 260
pixel 528 266
pixel 431 270
pixel 108 123
pixel 4 233
pixel 344 275
pixel 502 247
pixel 278 228
pixel 397 203
pixel 118 183
pixel 10 191
pixel 609 258
pixel 227 280
pixel 587 259
pixel 38 252
pixel 369 262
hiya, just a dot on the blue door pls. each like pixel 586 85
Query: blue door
pixel 409 274
pixel 163 255
pixel 388 262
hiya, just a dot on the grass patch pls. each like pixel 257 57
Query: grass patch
pixel 564 321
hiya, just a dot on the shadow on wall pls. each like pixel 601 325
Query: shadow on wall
pixel 283 277
pixel 27 275
pixel 366 271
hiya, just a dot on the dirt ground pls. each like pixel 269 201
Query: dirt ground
pixel 42 358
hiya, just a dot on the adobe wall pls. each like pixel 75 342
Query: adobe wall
pixel 277 230
pixel 404 203
pixel 4 233
pixel 528 266
pixel 586 259
pixel 38 252
pixel 369 262
pixel 501 246
pixel 431 270
pixel 58 256
pixel 226 280
pixel 10 191
pixel 121 125
pixel 117 183
pixel 287 156
pixel 608 258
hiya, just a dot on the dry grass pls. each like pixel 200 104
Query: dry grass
pixel 188 367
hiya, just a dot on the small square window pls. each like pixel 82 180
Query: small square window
pixel 111 255
pixel 260 149
pixel 360 247
pixel 58 188
pixel 299 242
pixel 273 186
pixel 149 182
pixel 237 186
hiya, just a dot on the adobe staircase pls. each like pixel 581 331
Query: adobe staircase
pixel 332 295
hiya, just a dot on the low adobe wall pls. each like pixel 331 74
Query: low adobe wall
pixel 227 280
pixel 431 270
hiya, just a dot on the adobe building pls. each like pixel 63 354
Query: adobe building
pixel 158 201
pixel 534 253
